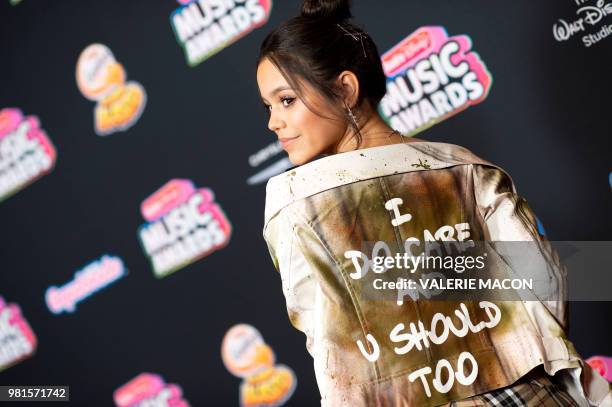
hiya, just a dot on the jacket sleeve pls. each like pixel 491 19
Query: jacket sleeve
pixel 298 283
pixel 508 218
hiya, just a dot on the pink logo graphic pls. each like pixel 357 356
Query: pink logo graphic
pixel 87 281
pixel 184 225
pixel 431 77
pixel 26 153
pixel 603 364
pixel 205 27
pixel 17 340
pixel 149 390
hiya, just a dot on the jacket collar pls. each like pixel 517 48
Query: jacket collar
pixel 358 165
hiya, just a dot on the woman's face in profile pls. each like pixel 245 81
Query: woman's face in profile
pixel 303 134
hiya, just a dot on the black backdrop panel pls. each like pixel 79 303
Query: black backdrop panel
pixel 546 121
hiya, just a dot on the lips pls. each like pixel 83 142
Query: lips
pixel 287 141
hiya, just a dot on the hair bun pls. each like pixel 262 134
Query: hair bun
pixel 336 10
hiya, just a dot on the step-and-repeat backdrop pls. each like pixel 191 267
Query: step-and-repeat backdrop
pixel 134 153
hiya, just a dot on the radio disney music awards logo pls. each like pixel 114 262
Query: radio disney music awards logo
pixel 430 77
pixel 17 340
pixel 246 355
pixel 205 27
pixel 149 390
pixel 102 79
pixel 184 224
pixel 589 20
pixel 266 154
pixel 91 278
pixel 26 153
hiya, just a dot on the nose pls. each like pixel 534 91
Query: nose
pixel 275 123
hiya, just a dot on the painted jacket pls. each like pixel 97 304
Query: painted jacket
pixel 319 213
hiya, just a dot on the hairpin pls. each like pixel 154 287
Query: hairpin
pixel 358 36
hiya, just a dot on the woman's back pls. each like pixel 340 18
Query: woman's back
pixel 375 345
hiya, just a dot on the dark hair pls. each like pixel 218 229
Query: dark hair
pixel 318 45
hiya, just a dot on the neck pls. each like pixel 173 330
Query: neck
pixel 374 132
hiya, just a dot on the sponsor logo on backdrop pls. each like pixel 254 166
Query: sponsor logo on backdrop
pixel 26 153
pixel 91 278
pixel 603 365
pixel 102 79
pixel 184 224
pixel 149 390
pixel 205 27
pixel 17 340
pixel 246 355
pixel 273 149
pixel 430 77
pixel 590 22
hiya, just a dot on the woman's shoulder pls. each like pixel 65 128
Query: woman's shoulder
pixel 447 152
pixel 455 154
pixel 484 171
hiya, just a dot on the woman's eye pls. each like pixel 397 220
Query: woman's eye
pixel 287 101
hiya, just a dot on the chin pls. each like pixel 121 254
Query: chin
pixel 299 159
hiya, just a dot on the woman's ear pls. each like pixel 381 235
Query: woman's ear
pixel 350 87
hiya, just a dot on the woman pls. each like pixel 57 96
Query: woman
pixel 321 79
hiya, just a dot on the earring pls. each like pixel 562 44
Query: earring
pixel 352 117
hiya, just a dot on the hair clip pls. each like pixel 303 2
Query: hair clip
pixel 356 36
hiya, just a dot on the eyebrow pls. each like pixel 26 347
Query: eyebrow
pixel 280 88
